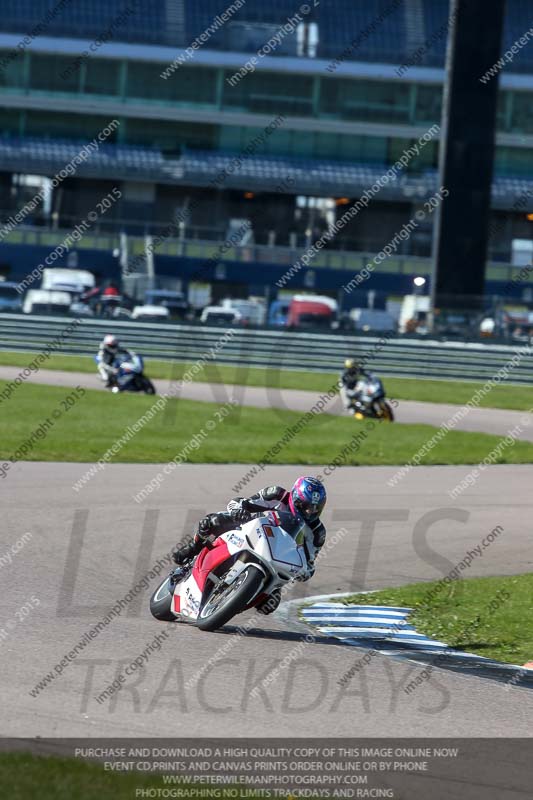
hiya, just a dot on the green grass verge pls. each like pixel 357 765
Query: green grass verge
pixel 25 777
pixel 492 617
pixel 519 398
pixel 98 419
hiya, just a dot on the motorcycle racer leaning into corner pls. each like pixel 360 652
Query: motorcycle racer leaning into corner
pixel 307 499
pixel 107 353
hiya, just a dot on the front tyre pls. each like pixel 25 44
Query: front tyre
pixel 161 602
pixel 224 602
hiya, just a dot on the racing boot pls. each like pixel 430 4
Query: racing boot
pixel 202 538
pixel 182 555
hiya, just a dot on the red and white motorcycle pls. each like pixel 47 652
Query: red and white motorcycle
pixel 237 572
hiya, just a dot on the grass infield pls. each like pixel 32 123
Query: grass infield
pixel 87 426
pixel 492 617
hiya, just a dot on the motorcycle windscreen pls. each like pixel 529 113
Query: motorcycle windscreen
pixel 293 525
pixel 374 387
pixel 283 548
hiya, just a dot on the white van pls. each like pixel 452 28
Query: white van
pixel 75 281
pixel 251 312
pixel 414 307
pixel 39 301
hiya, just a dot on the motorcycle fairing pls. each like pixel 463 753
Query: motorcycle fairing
pixel 271 541
pixel 128 369
pixel 238 546
pixel 190 591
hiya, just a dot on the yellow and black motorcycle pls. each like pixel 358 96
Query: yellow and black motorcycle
pixel 367 399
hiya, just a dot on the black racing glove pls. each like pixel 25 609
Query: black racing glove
pixel 205 528
pixel 239 509
pixel 240 515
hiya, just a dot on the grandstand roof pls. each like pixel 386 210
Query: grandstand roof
pixel 383 31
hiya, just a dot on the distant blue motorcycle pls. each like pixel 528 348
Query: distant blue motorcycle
pixel 130 375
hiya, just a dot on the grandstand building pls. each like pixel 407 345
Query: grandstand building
pixel 277 113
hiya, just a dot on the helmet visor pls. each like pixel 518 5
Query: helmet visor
pixel 309 508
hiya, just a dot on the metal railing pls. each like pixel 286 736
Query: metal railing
pixel 273 349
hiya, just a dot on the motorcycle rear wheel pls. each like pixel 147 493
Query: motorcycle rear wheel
pixel 224 602
pixel 146 385
pixel 387 413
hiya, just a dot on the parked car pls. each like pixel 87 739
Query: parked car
pixel 372 319
pixel 45 301
pixel 74 283
pixel 10 299
pixel 218 315
pixel 151 313
pixel 252 312
pixel 175 302
pixel 80 309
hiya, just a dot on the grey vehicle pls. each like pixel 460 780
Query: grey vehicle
pixel 10 299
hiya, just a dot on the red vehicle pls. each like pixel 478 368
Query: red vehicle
pixel 312 311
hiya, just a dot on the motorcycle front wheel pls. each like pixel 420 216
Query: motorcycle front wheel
pixel 161 602
pixel 224 602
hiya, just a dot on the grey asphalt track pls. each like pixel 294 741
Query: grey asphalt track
pixel 486 420
pixel 88 549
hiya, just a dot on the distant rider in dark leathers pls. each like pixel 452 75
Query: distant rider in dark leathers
pixel 350 377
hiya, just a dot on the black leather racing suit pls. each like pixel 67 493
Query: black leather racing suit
pixel 349 379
